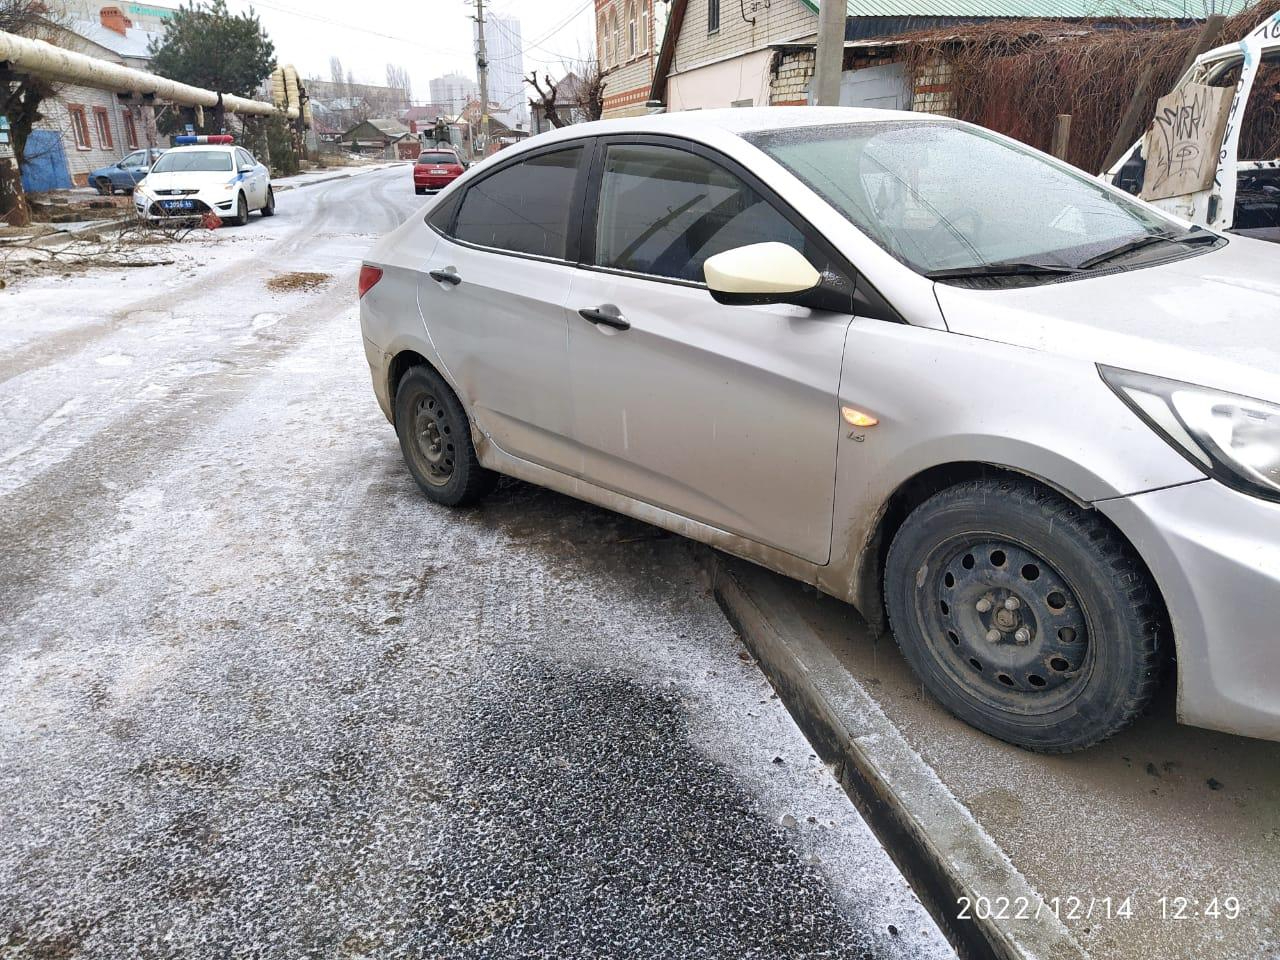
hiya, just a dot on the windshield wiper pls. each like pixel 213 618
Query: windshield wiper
pixel 1003 268
pixel 1198 235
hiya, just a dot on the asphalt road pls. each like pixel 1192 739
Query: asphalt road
pixel 259 698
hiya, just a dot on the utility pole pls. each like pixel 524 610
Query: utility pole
pixel 829 57
pixel 482 74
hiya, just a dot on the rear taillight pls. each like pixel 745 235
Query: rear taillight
pixel 368 277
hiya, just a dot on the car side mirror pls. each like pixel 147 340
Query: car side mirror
pixel 760 273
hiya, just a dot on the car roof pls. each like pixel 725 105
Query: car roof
pixel 736 120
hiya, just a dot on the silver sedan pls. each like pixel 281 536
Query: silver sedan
pixel 1022 420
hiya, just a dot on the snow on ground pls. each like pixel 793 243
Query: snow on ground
pixel 264 699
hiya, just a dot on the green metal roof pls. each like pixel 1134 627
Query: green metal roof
pixel 1036 9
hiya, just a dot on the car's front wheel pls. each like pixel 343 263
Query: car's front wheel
pixel 435 438
pixel 105 187
pixel 242 212
pixel 1025 615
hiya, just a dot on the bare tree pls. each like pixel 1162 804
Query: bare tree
pixel 592 80
pixel 546 99
pixel 398 79
pixel 335 71
pixel 22 96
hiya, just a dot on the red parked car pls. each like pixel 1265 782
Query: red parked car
pixel 435 170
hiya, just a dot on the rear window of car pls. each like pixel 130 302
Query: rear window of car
pixel 524 208
pixel 437 156
pixel 203 161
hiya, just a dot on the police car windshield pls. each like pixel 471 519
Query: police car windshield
pixel 204 161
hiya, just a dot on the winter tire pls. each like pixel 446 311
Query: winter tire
pixel 435 439
pixel 1025 615
pixel 242 211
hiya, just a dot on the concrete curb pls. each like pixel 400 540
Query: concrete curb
pixel 932 837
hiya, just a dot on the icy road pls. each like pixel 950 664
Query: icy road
pixel 260 698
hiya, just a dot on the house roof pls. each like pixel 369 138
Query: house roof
pixel 426 112
pixel 1039 9
pixel 135 43
pixel 388 127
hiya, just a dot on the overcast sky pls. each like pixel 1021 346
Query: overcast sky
pixel 430 37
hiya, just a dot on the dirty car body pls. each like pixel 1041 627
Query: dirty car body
pixel 617 348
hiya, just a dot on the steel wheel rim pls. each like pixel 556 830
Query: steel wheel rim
pixel 1033 655
pixel 433 438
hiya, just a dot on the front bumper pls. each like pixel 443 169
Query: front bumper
pixel 206 201
pixel 1215 555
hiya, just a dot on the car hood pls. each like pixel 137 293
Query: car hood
pixel 188 179
pixel 1211 319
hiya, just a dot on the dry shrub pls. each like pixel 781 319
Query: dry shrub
pixel 1016 76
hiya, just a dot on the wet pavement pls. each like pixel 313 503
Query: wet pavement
pixel 260 698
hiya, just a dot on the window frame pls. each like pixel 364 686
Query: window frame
pixel 577 201
pixel 102 122
pixel 644 26
pixel 713 17
pixel 633 35
pixel 590 213
pixel 130 130
pixel 76 111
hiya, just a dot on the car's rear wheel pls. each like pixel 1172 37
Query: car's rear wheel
pixel 419 190
pixel 1025 615
pixel 269 208
pixel 242 211
pixel 435 438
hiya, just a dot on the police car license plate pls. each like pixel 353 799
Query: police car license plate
pixel 179 204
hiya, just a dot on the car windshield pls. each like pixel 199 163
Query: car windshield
pixel 205 161
pixel 437 157
pixel 942 197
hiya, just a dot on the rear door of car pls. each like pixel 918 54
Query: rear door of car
pixel 724 414
pixel 493 295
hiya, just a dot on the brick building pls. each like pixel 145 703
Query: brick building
pixel 628 35
pixel 82 128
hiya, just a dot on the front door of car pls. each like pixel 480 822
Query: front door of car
pixel 133 168
pixel 254 176
pixel 724 414
pixel 493 296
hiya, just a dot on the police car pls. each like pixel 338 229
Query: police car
pixel 203 175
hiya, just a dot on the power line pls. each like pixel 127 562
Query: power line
pixel 349 26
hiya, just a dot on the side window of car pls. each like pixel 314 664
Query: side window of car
pixel 525 208
pixel 663 211
pixel 135 159
pixel 245 158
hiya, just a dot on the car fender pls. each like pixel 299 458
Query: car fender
pixel 945 399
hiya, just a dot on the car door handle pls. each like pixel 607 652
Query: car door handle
pixel 607 315
pixel 445 276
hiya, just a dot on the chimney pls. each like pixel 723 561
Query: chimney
pixel 113 18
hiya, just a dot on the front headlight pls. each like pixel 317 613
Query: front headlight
pixel 1234 439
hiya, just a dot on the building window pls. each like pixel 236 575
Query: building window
pixel 713 16
pixel 102 120
pixel 632 39
pixel 616 29
pixel 606 44
pixel 80 127
pixel 644 25
pixel 130 130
